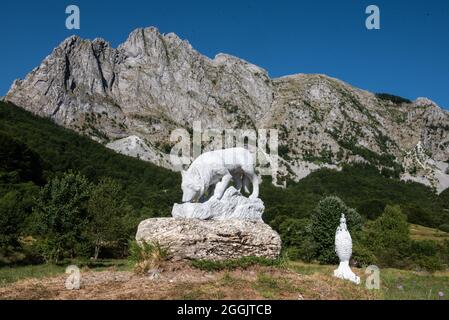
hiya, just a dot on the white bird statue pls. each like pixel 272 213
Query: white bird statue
pixel 343 248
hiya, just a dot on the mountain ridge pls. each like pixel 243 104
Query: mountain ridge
pixel 154 83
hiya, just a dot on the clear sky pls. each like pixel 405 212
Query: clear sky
pixel 409 56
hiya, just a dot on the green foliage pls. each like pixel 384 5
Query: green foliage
pixel 147 256
pixel 61 150
pixel 444 227
pixel 18 163
pixel 39 151
pixel 60 215
pixel 15 207
pixel 426 255
pixel 110 216
pixel 362 256
pixel 65 223
pixel 324 222
pixel 388 237
pixel 392 98
pixel 297 240
pixel 359 186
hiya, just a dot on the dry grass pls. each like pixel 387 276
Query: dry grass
pixel 295 281
pixel 184 282
pixel 418 232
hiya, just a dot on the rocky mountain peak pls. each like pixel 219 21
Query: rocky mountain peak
pixel 133 96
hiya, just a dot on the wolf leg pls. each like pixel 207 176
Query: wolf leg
pixel 246 183
pixel 220 188
pixel 238 181
pixel 250 174
pixel 255 181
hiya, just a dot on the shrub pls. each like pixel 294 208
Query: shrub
pixel 147 256
pixel 371 209
pixel 426 255
pixel 388 237
pixel 362 256
pixel 428 263
pixel 444 227
pixel 324 222
pixel 297 239
pixel 108 210
pixel 392 98
pixel 60 216
pixel 15 207
pixel 294 231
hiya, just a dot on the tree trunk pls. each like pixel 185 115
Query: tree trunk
pixel 97 250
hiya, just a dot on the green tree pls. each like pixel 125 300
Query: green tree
pixel 18 163
pixel 389 238
pixel 60 215
pixel 297 238
pixel 325 219
pixel 110 215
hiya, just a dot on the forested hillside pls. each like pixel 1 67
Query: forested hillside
pixel 35 149
pixel 36 154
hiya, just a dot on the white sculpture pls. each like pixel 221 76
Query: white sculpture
pixel 210 175
pixel 226 226
pixel 232 205
pixel 215 170
pixel 343 248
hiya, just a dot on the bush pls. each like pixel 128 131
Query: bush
pixel 108 212
pixel 427 263
pixel 294 231
pixel 297 239
pixel 324 222
pixel 362 256
pixel 371 209
pixel 147 256
pixel 392 98
pixel 60 216
pixel 426 255
pixel 388 237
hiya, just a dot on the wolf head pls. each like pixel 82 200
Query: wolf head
pixel 192 186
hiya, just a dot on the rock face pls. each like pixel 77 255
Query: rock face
pixel 195 239
pixel 154 83
pixel 233 205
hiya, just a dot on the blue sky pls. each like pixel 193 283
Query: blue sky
pixel 409 56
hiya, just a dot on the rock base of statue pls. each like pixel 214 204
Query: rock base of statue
pixel 196 239
pixel 344 272
pixel 232 205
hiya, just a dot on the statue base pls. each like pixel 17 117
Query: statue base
pixel 344 272
pixel 195 239
pixel 233 205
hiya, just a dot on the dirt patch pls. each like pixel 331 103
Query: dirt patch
pixel 185 282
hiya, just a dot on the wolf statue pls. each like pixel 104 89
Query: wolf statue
pixel 207 190
pixel 213 172
pixel 226 226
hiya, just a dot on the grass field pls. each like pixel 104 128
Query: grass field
pixel 418 232
pixel 292 280
pixel 395 284
pixel 13 274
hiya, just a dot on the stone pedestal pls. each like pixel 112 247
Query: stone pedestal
pixel 196 239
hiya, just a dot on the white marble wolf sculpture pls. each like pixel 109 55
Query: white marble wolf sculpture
pixel 216 169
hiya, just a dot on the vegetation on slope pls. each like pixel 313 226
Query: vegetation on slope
pixel 36 155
